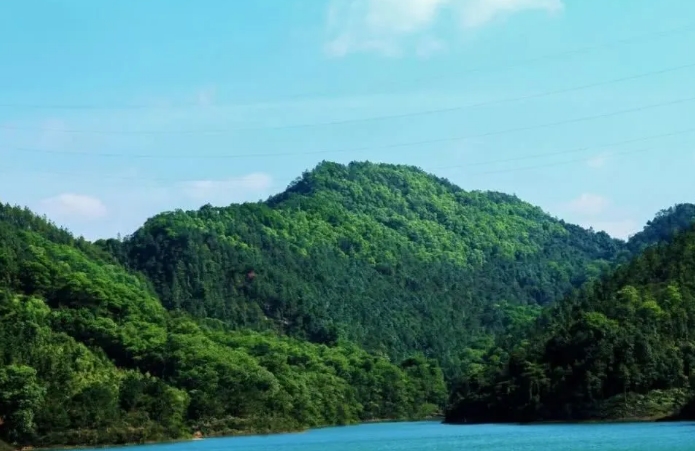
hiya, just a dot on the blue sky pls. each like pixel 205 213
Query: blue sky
pixel 112 111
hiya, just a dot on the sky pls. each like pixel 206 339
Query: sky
pixel 113 111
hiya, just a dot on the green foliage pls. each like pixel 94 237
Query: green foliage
pixel 20 397
pixel 89 356
pixel 352 296
pixel 386 256
pixel 665 225
pixel 621 347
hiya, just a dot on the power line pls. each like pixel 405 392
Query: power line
pixel 479 163
pixel 389 146
pixel 574 150
pixel 615 143
pixel 83 175
pixel 240 179
pixel 526 168
pixel 503 66
pixel 368 119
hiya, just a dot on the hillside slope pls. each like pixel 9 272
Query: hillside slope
pixel 623 347
pixel 89 356
pixel 665 225
pixel 387 256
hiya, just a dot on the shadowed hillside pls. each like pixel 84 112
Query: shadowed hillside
pixel 623 347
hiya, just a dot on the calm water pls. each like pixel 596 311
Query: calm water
pixel 437 437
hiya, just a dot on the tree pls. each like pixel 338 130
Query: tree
pixel 21 396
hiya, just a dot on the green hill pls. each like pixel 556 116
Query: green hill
pixel 334 302
pixel 89 356
pixel 387 256
pixel 623 347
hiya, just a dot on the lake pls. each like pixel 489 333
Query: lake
pixel 437 437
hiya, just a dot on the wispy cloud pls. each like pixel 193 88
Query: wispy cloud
pixel 598 212
pixel 122 207
pixel 206 95
pixel 622 229
pixel 390 27
pixel 429 46
pixel 74 206
pixel 588 204
pixel 248 187
pixel 476 13
pixel 377 25
pixel 597 161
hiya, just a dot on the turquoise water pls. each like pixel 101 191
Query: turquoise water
pixel 430 436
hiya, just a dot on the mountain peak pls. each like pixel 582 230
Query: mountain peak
pixel 365 248
pixel 359 179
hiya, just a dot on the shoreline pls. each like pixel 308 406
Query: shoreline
pixel 438 419
pixel 659 419
pixel 197 436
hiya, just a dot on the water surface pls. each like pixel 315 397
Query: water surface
pixel 426 436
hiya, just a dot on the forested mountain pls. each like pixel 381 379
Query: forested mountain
pixel 89 356
pixel 623 347
pixel 334 302
pixel 384 255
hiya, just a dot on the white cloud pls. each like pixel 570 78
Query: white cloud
pixel 592 210
pixel 377 25
pixel 622 229
pixel 588 204
pixel 428 46
pixel 476 13
pixel 206 96
pixel 597 162
pixel 248 187
pixel 382 26
pixel 73 206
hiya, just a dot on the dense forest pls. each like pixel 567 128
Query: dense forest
pixel 89 356
pixel 386 256
pixel 362 292
pixel 622 347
